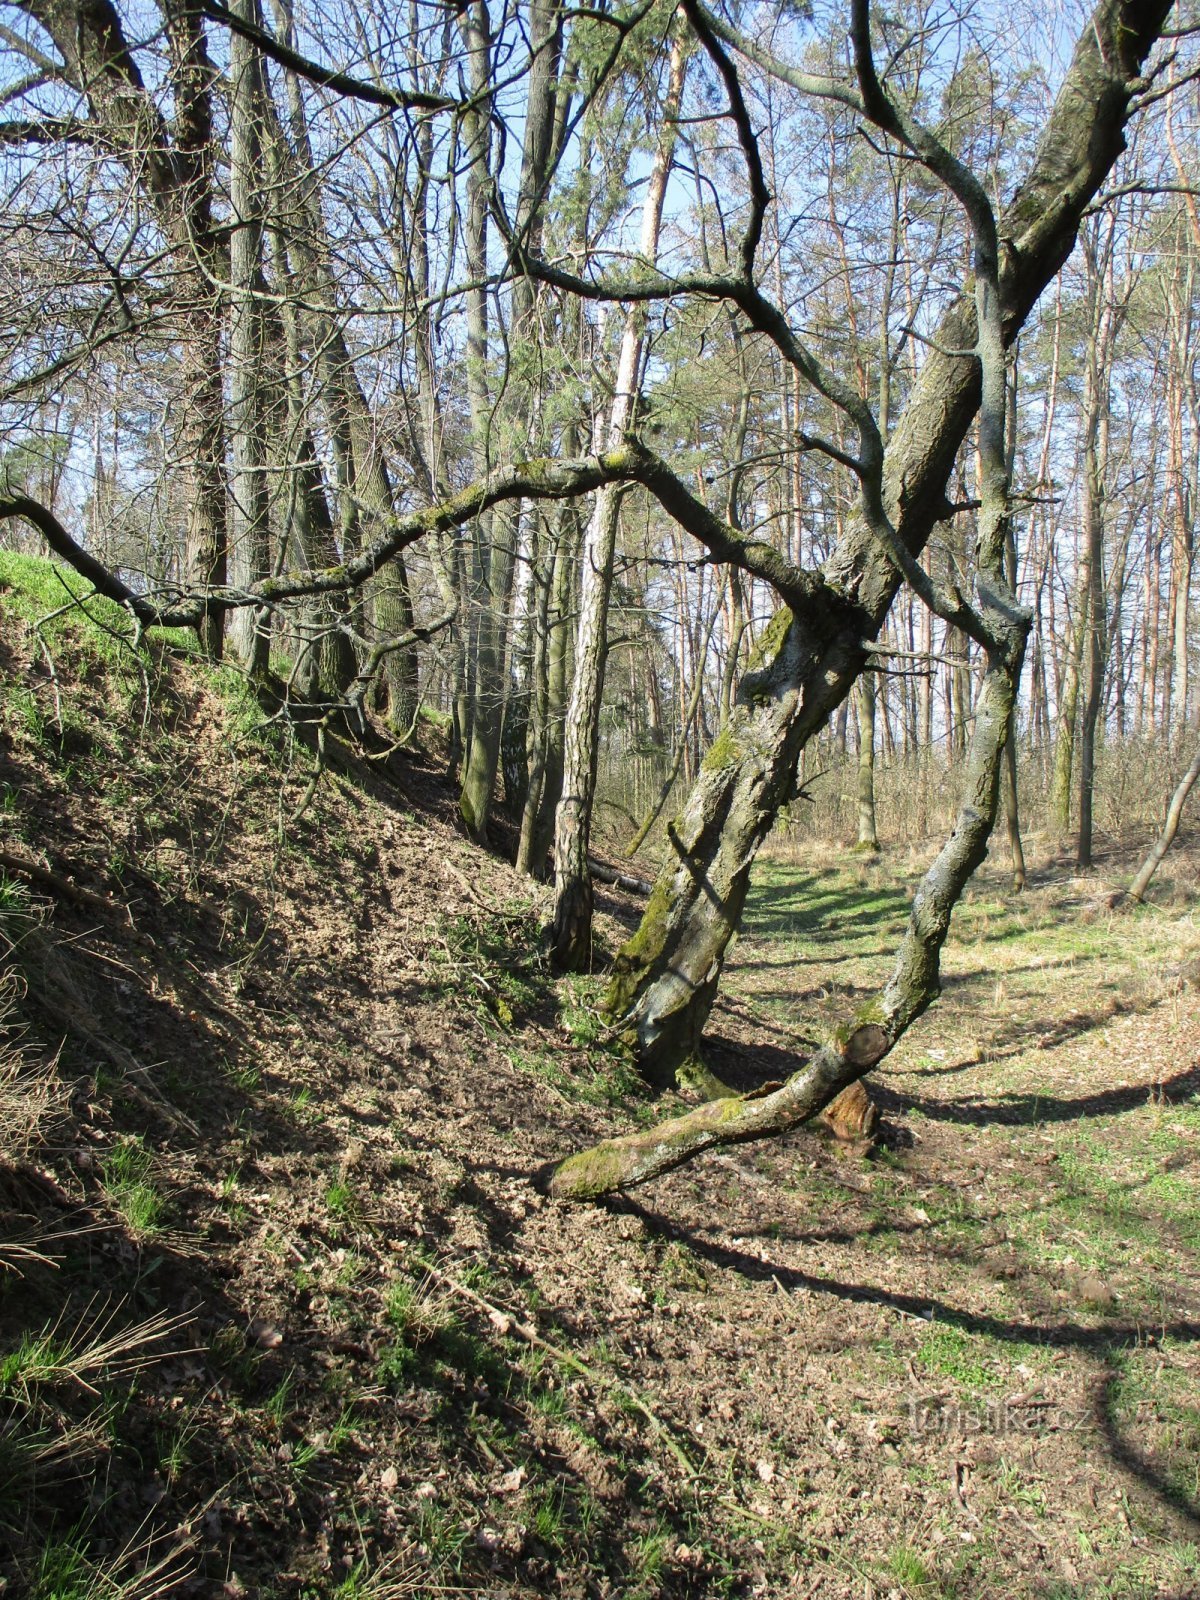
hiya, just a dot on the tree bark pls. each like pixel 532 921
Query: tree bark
pixel 1068 710
pixel 173 166
pixel 572 939
pixel 1012 813
pixel 250 545
pixel 1137 889
pixel 867 842
pixel 495 564
pixel 666 976
pixel 1097 377
pixel 635 1158
pixel 1009 791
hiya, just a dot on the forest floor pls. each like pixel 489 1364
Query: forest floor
pixel 283 1314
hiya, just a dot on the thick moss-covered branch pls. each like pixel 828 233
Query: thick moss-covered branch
pixel 544 479
pixel 668 973
pixel 636 1158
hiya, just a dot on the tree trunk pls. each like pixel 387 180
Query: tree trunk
pixel 666 976
pixel 545 749
pixel 1093 686
pixel 325 664
pixel 537 690
pixel 867 842
pixel 635 1158
pixel 1137 889
pixel 1097 374
pixel 1068 711
pixel 363 480
pixel 1012 813
pixel 572 832
pixel 495 564
pixel 201 442
pixel 1008 775
pixel 250 545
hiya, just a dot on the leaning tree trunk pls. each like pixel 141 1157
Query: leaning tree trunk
pixel 1137 889
pixel 851 1052
pixel 666 976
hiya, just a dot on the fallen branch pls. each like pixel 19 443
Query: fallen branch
pixel 62 888
pixel 603 873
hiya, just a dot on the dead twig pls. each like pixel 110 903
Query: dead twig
pixel 62 888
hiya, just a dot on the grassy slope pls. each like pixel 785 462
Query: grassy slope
pixel 298 1073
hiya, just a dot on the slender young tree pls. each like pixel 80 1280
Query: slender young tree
pixel 572 879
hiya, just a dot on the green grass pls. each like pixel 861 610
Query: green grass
pixel 496 962
pixel 301 1107
pixel 341 1201
pixel 599 1080
pixel 66 1569
pixel 93 640
pixel 14 896
pixel 1154 1398
pixel 39 1359
pixel 905 1567
pixel 418 1319
pixel 547 1522
pixel 1119 1199
pixel 1017 1487
pixel 127 1176
pixel 443 1535
pixel 246 1078
pixel 32 588
pixel 278 1405
pixel 63 1573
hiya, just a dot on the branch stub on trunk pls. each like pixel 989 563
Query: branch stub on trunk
pixel 866 1045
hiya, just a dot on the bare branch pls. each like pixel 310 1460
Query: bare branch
pixel 326 77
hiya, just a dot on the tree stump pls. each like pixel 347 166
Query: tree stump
pixel 853 1117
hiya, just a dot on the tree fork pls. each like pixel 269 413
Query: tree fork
pixel 850 1053
pixel 666 976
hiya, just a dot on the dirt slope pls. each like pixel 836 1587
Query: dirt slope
pixel 300 1070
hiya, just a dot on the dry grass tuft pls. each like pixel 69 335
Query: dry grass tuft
pixel 30 1092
